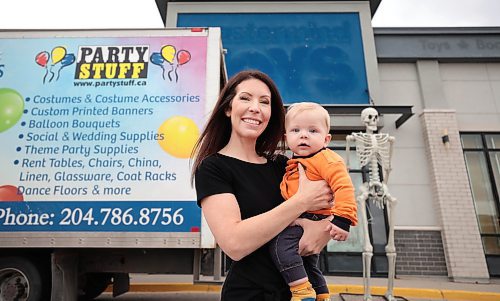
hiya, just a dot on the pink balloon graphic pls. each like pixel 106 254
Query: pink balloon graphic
pixel 42 58
pixel 183 56
pixel 8 193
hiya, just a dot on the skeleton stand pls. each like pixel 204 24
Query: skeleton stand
pixel 374 150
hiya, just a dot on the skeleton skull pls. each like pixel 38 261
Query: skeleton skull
pixel 369 117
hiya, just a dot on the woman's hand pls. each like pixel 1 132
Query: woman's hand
pixel 314 195
pixel 316 236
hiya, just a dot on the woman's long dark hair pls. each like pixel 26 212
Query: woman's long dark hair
pixel 217 131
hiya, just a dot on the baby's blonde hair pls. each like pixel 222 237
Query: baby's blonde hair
pixel 299 107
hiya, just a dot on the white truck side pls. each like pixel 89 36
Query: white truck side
pixel 96 131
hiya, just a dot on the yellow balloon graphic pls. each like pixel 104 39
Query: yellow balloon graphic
pixel 58 54
pixel 179 136
pixel 168 53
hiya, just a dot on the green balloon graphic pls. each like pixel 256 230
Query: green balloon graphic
pixel 11 108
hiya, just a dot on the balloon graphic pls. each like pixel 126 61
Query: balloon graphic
pixel 42 58
pixel 68 59
pixel 157 59
pixel 58 54
pixel 11 108
pixel 179 136
pixel 183 56
pixel 168 53
pixel 9 193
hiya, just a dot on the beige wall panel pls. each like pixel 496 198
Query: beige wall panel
pixel 409 135
pixel 478 122
pixel 409 167
pixel 397 71
pixel 495 87
pixel 493 71
pixel 409 180
pixel 470 96
pixel 400 93
pixel 463 72
pixel 414 207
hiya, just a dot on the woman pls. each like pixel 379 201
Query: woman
pixel 237 181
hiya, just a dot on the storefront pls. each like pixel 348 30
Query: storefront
pixel 447 79
pixel 449 186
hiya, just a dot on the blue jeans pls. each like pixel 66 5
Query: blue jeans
pixel 284 250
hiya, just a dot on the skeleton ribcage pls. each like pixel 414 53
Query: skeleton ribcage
pixel 371 147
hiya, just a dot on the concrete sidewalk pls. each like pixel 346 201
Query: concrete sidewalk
pixel 409 288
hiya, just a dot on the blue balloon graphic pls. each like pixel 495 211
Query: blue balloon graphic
pixel 157 59
pixel 68 59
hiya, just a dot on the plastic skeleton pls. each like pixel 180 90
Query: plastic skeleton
pixel 375 150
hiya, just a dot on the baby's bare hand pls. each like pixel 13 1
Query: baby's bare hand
pixel 338 234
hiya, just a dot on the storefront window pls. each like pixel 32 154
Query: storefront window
pixel 482 157
pixel 493 141
pixel 355 241
pixel 344 258
pixel 471 141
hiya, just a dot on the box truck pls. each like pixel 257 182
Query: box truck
pixel 96 131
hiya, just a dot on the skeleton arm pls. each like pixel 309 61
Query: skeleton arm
pixel 388 169
pixel 348 139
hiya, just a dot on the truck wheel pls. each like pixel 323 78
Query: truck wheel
pixel 20 280
pixel 93 285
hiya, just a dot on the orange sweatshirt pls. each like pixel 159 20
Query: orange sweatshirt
pixel 324 165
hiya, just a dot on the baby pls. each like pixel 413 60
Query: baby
pixel 307 128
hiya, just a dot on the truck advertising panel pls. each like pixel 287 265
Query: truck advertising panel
pixel 96 133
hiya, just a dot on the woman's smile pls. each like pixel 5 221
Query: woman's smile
pixel 250 109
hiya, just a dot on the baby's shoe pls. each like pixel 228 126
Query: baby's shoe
pixel 302 298
pixel 323 297
pixel 303 292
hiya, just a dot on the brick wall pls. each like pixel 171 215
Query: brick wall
pixel 419 253
pixel 465 260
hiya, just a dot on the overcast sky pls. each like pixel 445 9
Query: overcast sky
pixel 87 14
pixel 437 13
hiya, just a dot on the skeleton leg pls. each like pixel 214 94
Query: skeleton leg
pixel 390 249
pixel 367 246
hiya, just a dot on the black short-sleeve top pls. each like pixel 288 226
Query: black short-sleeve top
pixel 256 188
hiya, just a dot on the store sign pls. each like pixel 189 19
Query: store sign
pixel 311 56
pixel 393 46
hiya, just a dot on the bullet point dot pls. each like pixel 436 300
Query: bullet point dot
pixel 16 162
pixel 21 136
pixel 18 149
pixel 27 99
pixel 23 123
pixel 25 111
